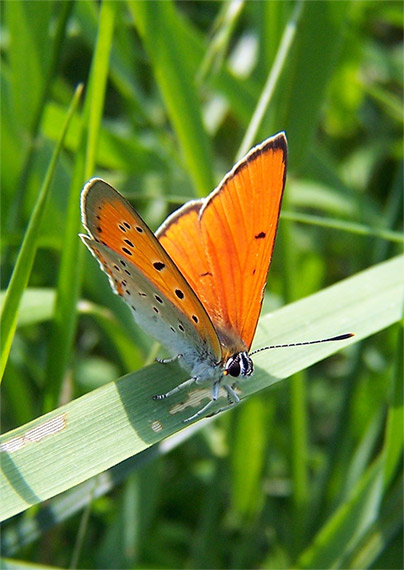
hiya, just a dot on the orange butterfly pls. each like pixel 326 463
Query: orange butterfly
pixel 197 285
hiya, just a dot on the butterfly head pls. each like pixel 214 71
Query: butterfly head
pixel 240 364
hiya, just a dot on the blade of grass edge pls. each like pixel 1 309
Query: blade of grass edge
pixel 65 317
pixel 64 506
pixel 377 538
pixel 272 81
pixel 357 529
pixel 394 436
pixel 26 256
pixel 37 118
pixel 347 524
pixel 162 33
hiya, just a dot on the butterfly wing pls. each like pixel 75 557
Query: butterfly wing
pixel 236 227
pixel 182 235
pixel 143 273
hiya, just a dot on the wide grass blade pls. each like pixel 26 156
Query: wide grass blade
pixel 106 426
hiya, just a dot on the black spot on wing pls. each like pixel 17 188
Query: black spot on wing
pixel 261 235
pixel 179 294
pixel 159 265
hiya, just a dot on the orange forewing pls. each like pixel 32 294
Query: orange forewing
pixel 226 245
pixel 111 220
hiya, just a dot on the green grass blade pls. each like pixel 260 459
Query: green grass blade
pixel 166 43
pixel 104 427
pixel 26 256
pixel 359 530
pixel 394 436
pixel 346 525
pixel 35 306
pixel 221 36
pixel 32 79
pixel 272 81
pixel 318 41
pixel 63 326
pixel 343 226
pixel 378 536
pixel 249 432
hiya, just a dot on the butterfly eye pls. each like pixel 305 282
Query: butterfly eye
pixel 239 365
pixel 234 369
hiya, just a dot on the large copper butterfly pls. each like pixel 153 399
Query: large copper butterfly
pixel 197 285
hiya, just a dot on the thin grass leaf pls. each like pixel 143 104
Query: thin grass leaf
pixel 221 35
pixel 357 531
pixel 163 36
pixel 249 457
pixel 343 226
pixel 64 323
pixel 298 405
pixel 112 423
pixel 31 80
pixel 29 58
pixel 394 436
pixel 26 256
pixel 347 525
pixel 318 42
pixel 115 151
pixel 377 538
pixel 35 306
pixel 272 81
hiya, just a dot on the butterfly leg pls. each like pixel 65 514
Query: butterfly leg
pixel 232 398
pixel 167 360
pixel 175 390
pixel 201 412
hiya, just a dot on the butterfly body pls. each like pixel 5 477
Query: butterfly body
pixel 197 285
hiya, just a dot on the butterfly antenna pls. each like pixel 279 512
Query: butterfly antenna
pixel 331 339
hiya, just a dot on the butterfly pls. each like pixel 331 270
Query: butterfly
pixel 197 285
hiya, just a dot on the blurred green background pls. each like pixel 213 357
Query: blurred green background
pixel 170 92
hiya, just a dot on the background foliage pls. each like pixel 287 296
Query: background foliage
pixel 289 478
